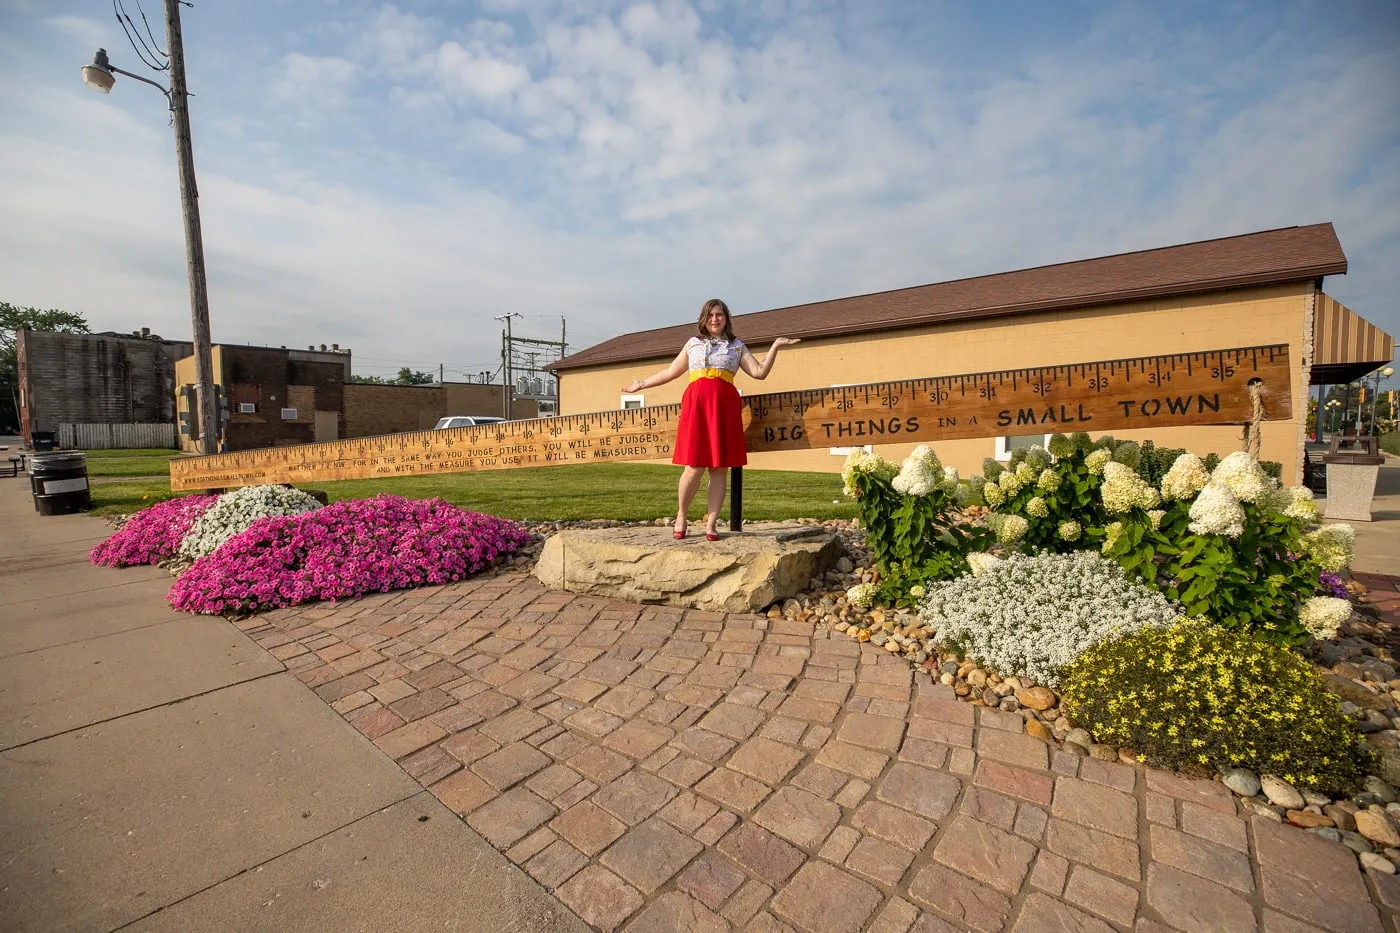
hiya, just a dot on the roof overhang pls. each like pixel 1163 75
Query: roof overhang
pixel 1346 346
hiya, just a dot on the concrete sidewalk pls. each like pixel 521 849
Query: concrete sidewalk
pixel 160 771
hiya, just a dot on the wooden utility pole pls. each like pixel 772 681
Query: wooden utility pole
pixel 210 427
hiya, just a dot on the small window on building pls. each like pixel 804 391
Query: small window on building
pixel 289 414
pixel 1019 442
pixel 634 401
pixel 247 408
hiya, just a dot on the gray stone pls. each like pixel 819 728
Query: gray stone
pixel 1379 788
pixel 1103 752
pixel 1353 692
pixel 1242 781
pixel 1355 842
pixel 1281 793
pixel 738 573
pixel 1326 832
pixel 1080 737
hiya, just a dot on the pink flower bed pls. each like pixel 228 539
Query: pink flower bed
pixel 346 549
pixel 152 534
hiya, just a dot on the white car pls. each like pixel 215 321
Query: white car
pixel 464 421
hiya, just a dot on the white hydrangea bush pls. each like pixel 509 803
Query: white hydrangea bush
pixel 1033 615
pixel 1323 615
pixel 235 512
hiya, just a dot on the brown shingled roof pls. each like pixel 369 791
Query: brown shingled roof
pixel 1288 254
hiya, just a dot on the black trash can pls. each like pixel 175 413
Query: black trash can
pixel 59 481
pixel 43 440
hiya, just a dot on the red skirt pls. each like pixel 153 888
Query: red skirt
pixel 711 428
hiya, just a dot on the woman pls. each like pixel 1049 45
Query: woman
pixel 710 435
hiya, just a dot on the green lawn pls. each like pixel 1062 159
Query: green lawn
pixel 142 462
pixel 622 491
pixel 1390 443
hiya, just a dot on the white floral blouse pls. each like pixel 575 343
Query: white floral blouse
pixel 714 353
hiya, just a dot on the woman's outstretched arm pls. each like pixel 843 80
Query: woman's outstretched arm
pixel 760 370
pixel 679 365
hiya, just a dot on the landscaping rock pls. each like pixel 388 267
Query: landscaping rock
pixel 1376 826
pixel 1375 862
pixel 1326 833
pixel 1103 752
pixel 1281 793
pixel 1037 698
pixel 1080 737
pixel 1308 819
pixel 1038 729
pixel 1353 692
pixel 1356 842
pixel 1242 781
pixel 1343 815
pixel 738 573
pixel 1378 787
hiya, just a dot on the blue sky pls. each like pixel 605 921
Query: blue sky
pixel 391 177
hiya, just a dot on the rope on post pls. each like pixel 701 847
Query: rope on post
pixel 1251 437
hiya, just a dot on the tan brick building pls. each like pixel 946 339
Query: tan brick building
pixel 1261 288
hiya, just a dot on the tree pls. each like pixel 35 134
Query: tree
pixel 409 377
pixel 13 319
pixel 367 380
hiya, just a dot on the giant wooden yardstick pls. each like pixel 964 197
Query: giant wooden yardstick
pixel 1208 387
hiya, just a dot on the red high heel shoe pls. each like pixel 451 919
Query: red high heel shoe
pixel 712 536
pixel 678 535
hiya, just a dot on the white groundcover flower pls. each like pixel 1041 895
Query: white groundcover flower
pixel 1216 511
pixel 1034 615
pixel 861 595
pixel 1322 615
pixel 1188 475
pixel 235 512
pixel 1123 489
pixel 1244 476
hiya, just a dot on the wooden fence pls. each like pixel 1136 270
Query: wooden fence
pixel 115 436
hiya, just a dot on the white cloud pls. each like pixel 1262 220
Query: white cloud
pixel 87 32
pixel 312 80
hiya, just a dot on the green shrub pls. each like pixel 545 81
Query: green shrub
pixel 910 515
pixel 1197 695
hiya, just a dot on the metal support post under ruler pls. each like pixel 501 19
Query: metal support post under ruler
pixel 736 499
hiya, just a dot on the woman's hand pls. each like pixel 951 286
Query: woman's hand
pixel 785 342
pixel 636 386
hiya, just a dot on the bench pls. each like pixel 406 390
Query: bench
pixel 16 464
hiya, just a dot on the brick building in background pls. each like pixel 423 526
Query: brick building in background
pixel 276 397
pixel 106 378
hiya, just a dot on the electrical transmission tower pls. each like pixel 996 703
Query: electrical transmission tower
pixel 523 366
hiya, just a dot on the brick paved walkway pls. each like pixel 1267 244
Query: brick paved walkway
pixel 664 769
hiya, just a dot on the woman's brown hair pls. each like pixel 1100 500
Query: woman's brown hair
pixel 710 305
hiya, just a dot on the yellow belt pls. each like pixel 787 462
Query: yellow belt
pixel 724 374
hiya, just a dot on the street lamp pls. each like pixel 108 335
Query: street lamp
pixel 1332 406
pixel 100 75
pixel 1385 373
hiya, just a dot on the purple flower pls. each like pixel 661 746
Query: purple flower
pixel 152 534
pixel 346 549
pixel 1330 584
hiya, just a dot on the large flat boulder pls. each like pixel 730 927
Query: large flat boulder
pixel 743 572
